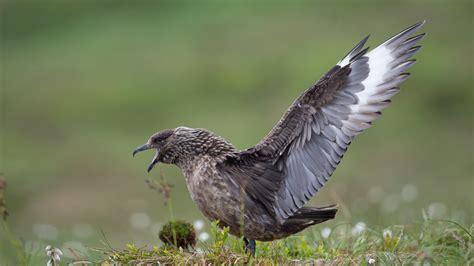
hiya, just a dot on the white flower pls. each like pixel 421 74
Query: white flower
pixel 358 228
pixel 54 254
pixel 203 236
pixel 326 232
pixel 370 259
pixel 387 233
pixel 198 224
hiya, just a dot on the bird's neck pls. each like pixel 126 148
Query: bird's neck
pixel 204 144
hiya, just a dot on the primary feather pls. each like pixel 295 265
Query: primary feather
pixel 313 135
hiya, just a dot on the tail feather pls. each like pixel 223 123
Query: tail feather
pixel 318 215
pixel 308 216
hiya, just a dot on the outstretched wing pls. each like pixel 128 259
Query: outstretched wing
pixel 302 151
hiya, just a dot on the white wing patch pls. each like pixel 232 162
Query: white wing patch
pixel 387 63
pixel 379 59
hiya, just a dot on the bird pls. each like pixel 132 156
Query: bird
pixel 260 192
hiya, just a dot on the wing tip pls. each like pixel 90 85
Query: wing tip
pixel 415 26
pixel 419 24
pixel 354 51
pixel 404 34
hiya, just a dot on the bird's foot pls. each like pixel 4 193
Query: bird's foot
pixel 250 246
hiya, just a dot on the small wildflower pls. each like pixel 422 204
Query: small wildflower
pixel 387 234
pixel 203 236
pixel 358 228
pixel 198 224
pixel 371 261
pixel 326 232
pixel 54 254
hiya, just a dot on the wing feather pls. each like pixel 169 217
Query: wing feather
pixel 311 138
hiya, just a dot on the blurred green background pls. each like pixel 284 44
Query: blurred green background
pixel 84 83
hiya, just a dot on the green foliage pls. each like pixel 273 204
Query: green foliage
pixel 132 255
pixel 436 242
pixel 221 248
pixel 390 242
pixel 220 236
pixel 181 234
pixel 433 241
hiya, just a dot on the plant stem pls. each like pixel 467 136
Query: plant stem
pixel 173 230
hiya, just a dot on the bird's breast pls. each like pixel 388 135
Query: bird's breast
pixel 219 198
pixel 210 191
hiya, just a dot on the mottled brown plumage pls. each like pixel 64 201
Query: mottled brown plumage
pixel 260 192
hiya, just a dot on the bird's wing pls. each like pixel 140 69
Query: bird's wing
pixel 302 151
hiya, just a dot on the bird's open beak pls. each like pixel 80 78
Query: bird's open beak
pixel 145 147
pixel 154 161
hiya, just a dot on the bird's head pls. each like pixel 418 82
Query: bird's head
pixel 183 144
pixel 161 142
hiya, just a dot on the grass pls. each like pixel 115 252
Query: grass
pixel 433 241
pixel 437 242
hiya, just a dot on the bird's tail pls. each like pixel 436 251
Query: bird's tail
pixel 315 214
pixel 308 216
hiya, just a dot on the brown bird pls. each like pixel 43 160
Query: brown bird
pixel 260 192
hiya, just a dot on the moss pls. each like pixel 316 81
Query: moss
pixel 185 234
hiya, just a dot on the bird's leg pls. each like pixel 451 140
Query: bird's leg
pixel 250 246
